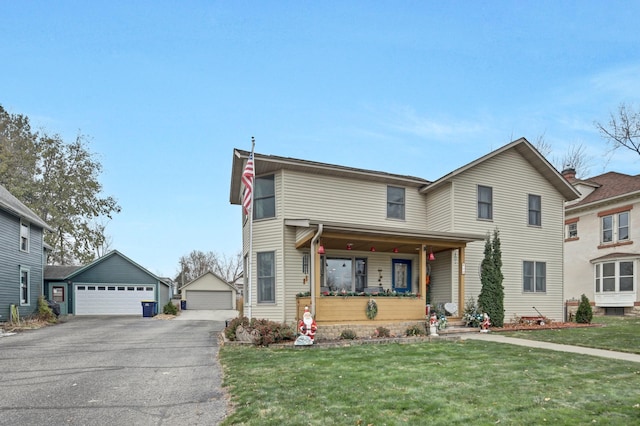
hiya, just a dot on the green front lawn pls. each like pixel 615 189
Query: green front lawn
pixel 617 333
pixel 440 382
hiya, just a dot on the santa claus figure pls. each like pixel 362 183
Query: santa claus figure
pixel 307 325
pixel 486 322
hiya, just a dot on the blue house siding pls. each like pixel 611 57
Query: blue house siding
pixel 12 259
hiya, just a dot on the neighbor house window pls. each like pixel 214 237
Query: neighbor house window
pixel 535 210
pixel 264 202
pixel 266 277
pixel 534 277
pixel 344 274
pixel 614 276
pixel 24 286
pixel 615 226
pixel 485 202
pixel 24 236
pixel 571 228
pixel 395 202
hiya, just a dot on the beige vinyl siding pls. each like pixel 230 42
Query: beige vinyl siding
pixel 440 280
pixel 338 199
pixel 293 278
pixel 519 242
pixel 439 209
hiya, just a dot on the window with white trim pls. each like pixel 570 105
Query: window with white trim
pixel 264 201
pixel 534 277
pixel 617 276
pixel 24 236
pixel 344 273
pixel 572 230
pixel 25 286
pixel 535 210
pixel 395 202
pixel 485 202
pixel 266 277
pixel 615 228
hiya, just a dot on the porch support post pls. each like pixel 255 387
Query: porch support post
pixel 461 273
pixel 422 283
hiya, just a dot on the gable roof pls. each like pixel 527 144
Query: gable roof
pixel 218 277
pixel 608 186
pixel 526 150
pixel 14 206
pixel 265 164
pixel 59 272
pixel 107 256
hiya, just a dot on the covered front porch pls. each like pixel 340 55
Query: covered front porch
pixel 349 265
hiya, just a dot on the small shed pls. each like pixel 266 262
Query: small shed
pixel 209 292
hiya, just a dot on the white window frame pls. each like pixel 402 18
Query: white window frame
pixel 537 214
pixel 260 199
pixel 25 286
pixel 535 278
pixel 615 278
pixel 395 207
pixel 25 236
pixel 615 227
pixel 485 203
pixel 572 230
pixel 266 282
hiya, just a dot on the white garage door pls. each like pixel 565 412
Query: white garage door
pixel 208 300
pixel 111 299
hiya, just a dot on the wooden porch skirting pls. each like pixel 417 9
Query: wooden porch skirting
pixel 333 314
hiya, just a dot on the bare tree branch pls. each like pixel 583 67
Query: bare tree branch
pixel 623 129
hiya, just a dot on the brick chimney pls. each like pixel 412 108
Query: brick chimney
pixel 569 173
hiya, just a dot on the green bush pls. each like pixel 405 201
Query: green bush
pixel 348 334
pixel 415 330
pixel 44 311
pixel 170 308
pixel 584 314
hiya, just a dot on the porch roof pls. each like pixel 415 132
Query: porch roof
pixel 337 236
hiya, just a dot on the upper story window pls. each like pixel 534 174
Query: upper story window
pixel 264 202
pixel 614 276
pixel 615 226
pixel 485 202
pixel 535 210
pixel 395 202
pixel 571 229
pixel 24 236
pixel 534 277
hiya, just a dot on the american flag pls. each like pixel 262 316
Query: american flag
pixel 247 180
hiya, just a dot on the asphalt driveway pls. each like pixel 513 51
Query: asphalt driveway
pixel 113 371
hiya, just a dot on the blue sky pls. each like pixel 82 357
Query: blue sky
pixel 165 90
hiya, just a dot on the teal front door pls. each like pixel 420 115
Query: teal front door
pixel 401 269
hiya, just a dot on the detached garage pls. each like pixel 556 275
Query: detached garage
pixel 209 292
pixel 110 285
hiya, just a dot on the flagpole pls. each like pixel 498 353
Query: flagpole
pixel 249 297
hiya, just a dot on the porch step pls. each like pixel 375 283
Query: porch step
pixel 458 329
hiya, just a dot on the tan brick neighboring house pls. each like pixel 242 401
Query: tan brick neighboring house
pixel 602 242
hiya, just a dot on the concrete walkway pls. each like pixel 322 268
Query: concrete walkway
pixel 498 338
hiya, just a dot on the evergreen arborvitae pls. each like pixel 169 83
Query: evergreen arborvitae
pixel 584 314
pixel 491 299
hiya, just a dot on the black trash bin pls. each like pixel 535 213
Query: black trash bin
pixel 55 307
pixel 148 308
pixel 183 305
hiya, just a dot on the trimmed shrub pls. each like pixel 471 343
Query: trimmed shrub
pixel 170 308
pixel 415 330
pixel 584 314
pixel 348 334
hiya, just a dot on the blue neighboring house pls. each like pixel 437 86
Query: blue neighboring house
pixel 22 256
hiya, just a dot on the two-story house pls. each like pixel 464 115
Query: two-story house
pixel 335 233
pixel 601 256
pixel 22 256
